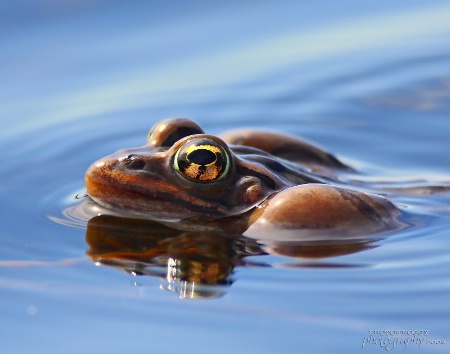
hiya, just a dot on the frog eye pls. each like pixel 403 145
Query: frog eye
pixel 202 160
pixel 168 132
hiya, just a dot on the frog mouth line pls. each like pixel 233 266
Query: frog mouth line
pixel 106 187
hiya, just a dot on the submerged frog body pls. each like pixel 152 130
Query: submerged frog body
pixel 251 182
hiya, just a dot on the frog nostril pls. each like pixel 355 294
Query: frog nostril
pixel 134 162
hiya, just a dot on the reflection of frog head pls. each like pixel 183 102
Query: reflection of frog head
pixel 194 264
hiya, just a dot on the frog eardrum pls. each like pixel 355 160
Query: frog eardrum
pixel 202 160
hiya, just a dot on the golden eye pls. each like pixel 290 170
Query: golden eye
pixel 202 160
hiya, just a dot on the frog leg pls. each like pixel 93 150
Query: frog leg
pixel 284 146
pixel 317 212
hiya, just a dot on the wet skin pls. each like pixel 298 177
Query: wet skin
pixel 247 181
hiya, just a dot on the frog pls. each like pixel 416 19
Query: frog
pixel 258 183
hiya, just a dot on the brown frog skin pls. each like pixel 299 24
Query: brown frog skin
pixel 252 182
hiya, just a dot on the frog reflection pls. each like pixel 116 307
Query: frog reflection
pixel 192 264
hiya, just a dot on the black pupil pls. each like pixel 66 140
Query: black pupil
pixel 202 157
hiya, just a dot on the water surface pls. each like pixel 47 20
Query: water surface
pixel 370 83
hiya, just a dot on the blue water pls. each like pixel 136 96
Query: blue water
pixel 367 81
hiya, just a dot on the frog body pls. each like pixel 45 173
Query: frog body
pixel 251 182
